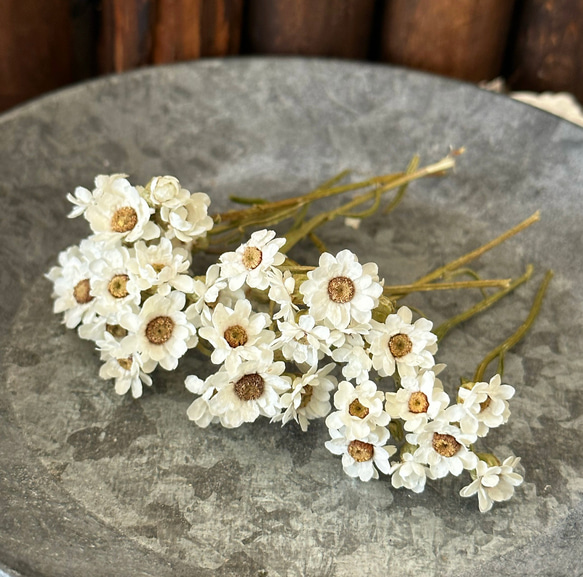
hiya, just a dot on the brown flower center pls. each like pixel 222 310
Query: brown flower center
pixel 306 394
pixel 82 292
pixel 115 330
pixel 400 345
pixel 250 387
pixel 125 364
pixel 484 405
pixel 252 257
pixel 418 402
pixel 445 445
pixel 236 336
pixel 158 267
pixel 124 219
pixel 159 330
pixel 341 289
pixel 117 286
pixel 357 409
pixel 360 451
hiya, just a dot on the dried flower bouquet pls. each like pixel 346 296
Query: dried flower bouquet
pixel 282 333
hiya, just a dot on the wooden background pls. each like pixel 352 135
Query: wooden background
pixel 535 44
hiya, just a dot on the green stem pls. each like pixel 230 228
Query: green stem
pixel 484 304
pixel 438 273
pixel 504 347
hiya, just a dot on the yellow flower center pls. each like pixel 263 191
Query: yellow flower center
pixel 159 330
pixel 341 289
pixel 252 257
pixel 115 330
pixel 445 445
pixel 485 404
pixel 418 402
pixel 124 219
pixel 236 336
pixel 400 345
pixel 306 394
pixel 357 409
pixel 82 292
pixel 250 387
pixel 360 451
pixel 117 286
pixel 125 364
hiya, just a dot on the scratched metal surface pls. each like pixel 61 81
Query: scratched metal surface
pixel 87 477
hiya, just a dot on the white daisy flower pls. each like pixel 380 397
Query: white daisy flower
pixel 187 219
pixel 309 397
pixel 419 399
pixel 485 406
pixel 166 191
pixel 360 409
pixel 237 334
pixel 72 283
pixel 342 290
pixel 357 362
pixel 397 343
pixel 129 372
pixel 251 262
pixel 119 211
pixel 281 289
pixel 111 285
pixel 362 457
pixel 409 473
pixel 443 447
pixel 493 484
pixel 161 265
pixel 160 332
pixel 303 342
pixel 253 389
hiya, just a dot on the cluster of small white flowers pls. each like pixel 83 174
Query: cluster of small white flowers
pixel 271 329
pixel 124 287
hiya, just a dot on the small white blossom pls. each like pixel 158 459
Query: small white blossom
pixel 363 458
pixel 342 290
pixel 493 484
pixel 281 288
pixel 360 409
pixel 160 332
pixel 73 285
pixel 419 399
pixel 303 342
pixel 166 191
pixel 356 360
pixel 82 199
pixel 119 211
pixel 309 397
pixel 397 343
pixel 237 334
pixel 129 372
pixel 161 265
pixel 485 406
pixel 253 389
pixel 187 220
pixel 251 262
pixel 443 447
pixel 409 473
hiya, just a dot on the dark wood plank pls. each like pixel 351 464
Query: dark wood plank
pixel 187 29
pixel 459 38
pixel 340 28
pixel 35 48
pixel 548 53
pixel 126 34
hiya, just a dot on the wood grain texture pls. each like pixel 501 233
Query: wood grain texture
pixel 35 48
pixel 548 54
pixel 460 38
pixel 188 29
pixel 126 38
pixel 340 28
